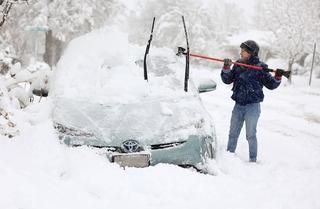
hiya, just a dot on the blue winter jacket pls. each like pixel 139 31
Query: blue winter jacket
pixel 248 83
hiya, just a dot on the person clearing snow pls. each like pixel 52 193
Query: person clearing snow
pixel 247 94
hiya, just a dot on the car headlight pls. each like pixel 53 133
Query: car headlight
pixel 71 131
pixel 166 145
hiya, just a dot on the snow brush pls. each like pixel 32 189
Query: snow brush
pixel 285 73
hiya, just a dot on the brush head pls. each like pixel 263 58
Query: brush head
pixel 181 51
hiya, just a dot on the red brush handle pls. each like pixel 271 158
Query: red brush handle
pixel 221 60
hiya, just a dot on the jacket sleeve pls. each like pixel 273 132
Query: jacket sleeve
pixel 269 81
pixel 227 75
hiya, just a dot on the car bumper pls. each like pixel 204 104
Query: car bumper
pixel 193 152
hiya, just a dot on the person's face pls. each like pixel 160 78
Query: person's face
pixel 244 55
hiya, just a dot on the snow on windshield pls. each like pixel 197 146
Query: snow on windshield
pixel 103 66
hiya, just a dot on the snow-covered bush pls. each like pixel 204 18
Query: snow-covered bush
pixel 36 76
pixel 295 25
pixel 22 83
pixel 7 59
pixel 17 86
pixel 7 124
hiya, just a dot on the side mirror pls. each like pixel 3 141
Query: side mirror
pixel 207 85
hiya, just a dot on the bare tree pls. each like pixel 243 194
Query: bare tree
pixel 208 24
pixel 6 6
pixel 63 19
pixel 295 25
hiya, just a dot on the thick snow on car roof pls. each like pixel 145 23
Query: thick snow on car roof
pixel 102 66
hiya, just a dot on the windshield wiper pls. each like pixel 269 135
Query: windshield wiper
pixel 186 77
pixel 147 52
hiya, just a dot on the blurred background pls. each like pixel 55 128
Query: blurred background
pixel 39 30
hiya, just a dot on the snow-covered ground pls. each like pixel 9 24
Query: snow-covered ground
pixel 37 172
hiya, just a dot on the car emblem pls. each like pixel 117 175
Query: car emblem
pixel 130 145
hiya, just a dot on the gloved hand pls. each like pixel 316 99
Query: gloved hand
pixel 227 63
pixel 265 69
pixel 278 74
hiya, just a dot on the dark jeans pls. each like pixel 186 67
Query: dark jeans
pixel 249 114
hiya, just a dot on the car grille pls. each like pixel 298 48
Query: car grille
pixel 77 133
pixel 107 148
pixel 152 147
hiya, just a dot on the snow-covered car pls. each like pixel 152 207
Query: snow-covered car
pixel 101 100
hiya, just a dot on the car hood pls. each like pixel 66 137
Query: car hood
pixel 150 121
